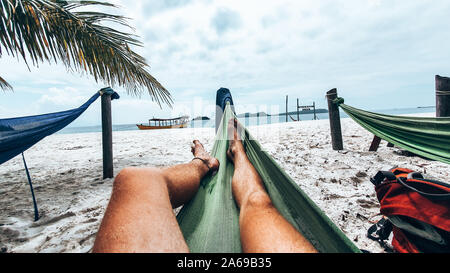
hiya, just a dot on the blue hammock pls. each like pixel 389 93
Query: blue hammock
pixel 19 134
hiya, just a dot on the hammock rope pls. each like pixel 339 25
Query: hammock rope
pixel 442 93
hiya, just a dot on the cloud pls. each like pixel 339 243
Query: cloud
pixel 158 6
pixel 67 96
pixel 263 50
pixel 275 17
pixel 225 20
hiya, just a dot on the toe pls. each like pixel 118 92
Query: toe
pixel 230 154
pixel 197 142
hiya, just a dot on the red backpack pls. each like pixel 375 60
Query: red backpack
pixel 416 210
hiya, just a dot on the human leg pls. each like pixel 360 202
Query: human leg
pixel 139 216
pixel 262 227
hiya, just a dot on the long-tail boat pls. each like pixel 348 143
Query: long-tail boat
pixel 158 123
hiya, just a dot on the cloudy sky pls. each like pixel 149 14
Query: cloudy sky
pixel 380 54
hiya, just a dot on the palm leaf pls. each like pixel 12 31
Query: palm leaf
pixel 42 30
pixel 4 85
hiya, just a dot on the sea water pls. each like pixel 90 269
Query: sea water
pixel 246 121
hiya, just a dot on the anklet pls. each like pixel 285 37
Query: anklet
pixel 204 161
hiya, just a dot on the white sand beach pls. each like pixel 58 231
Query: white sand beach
pixel 66 170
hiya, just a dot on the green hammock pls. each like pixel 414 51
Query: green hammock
pixel 210 221
pixel 424 136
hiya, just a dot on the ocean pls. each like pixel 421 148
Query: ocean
pixel 247 121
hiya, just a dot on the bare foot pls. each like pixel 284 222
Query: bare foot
pixel 246 180
pixel 236 148
pixel 199 151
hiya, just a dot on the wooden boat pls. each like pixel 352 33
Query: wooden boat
pixel 158 123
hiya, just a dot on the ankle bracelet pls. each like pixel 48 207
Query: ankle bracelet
pixel 204 161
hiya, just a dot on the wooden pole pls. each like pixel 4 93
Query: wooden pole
pixel 223 95
pixel 108 170
pixel 286 108
pixel 375 144
pixel 298 113
pixel 442 96
pixel 314 107
pixel 335 121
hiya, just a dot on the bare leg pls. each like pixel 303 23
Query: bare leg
pixel 262 227
pixel 139 216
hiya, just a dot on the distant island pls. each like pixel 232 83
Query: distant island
pixel 426 107
pixel 304 112
pixel 247 115
pixel 264 114
pixel 201 118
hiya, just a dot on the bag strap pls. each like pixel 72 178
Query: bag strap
pixel 380 232
pixel 382 175
pixel 434 196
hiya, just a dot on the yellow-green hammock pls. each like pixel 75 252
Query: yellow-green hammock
pixel 210 221
pixel 425 136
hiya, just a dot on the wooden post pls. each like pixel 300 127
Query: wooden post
pixel 335 121
pixel 298 113
pixel 314 107
pixel 223 95
pixel 442 96
pixel 287 108
pixel 375 144
pixel 108 170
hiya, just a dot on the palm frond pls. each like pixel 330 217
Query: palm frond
pixel 43 30
pixel 4 84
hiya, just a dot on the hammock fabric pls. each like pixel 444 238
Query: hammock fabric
pixel 424 136
pixel 19 134
pixel 210 221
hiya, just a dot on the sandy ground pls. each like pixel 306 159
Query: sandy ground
pixel 67 174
